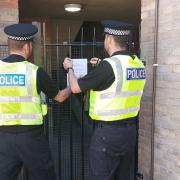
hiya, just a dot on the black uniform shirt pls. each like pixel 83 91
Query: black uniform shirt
pixel 44 84
pixel 101 77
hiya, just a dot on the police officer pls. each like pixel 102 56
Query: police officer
pixel 21 114
pixel 116 86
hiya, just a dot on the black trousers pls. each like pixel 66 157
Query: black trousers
pixel 29 149
pixel 112 152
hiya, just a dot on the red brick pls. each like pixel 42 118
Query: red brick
pixel 9 4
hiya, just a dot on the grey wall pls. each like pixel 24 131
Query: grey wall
pixel 167 104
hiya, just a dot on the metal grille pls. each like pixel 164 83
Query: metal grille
pixel 3 51
pixel 69 129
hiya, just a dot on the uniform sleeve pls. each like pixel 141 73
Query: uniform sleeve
pixel 45 84
pixel 98 79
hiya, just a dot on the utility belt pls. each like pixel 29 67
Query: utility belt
pixel 124 122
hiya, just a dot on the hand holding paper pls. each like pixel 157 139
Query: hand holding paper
pixel 67 63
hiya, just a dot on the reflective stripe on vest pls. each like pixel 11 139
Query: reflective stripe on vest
pixel 117 102
pixel 20 119
pixel 19 116
pixel 29 80
pixel 123 94
pixel 18 99
pixel 20 104
pixel 117 111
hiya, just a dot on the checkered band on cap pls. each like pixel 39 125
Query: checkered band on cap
pixel 117 32
pixel 20 38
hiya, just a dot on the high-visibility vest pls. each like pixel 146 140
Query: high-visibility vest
pixel 20 103
pixel 122 99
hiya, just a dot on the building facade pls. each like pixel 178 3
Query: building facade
pixel 159 125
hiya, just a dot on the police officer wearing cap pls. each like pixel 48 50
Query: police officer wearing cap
pixel 21 113
pixel 116 86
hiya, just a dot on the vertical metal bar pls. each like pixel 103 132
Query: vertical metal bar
pixel 86 100
pixel 139 40
pixel 57 56
pixel 58 85
pixel 82 40
pixel 71 139
pixel 94 40
pixel 44 46
pixel 82 113
pixel 45 66
pixel 154 87
pixel 69 39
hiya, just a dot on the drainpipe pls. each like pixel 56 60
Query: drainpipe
pixel 155 65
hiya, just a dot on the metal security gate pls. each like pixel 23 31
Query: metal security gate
pixel 68 127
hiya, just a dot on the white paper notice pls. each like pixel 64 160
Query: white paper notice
pixel 80 68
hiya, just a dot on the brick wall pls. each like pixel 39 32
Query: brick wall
pixel 167 132
pixel 9 14
pixel 167 104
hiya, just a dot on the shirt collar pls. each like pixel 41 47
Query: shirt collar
pixel 121 53
pixel 14 58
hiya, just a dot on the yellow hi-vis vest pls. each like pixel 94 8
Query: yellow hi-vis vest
pixel 20 104
pixel 122 99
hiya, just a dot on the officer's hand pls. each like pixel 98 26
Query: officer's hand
pixel 67 63
pixel 94 61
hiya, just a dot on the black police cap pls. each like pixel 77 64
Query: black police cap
pixel 21 32
pixel 117 28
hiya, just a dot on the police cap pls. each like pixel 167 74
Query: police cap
pixel 20 32
pixel 117 28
